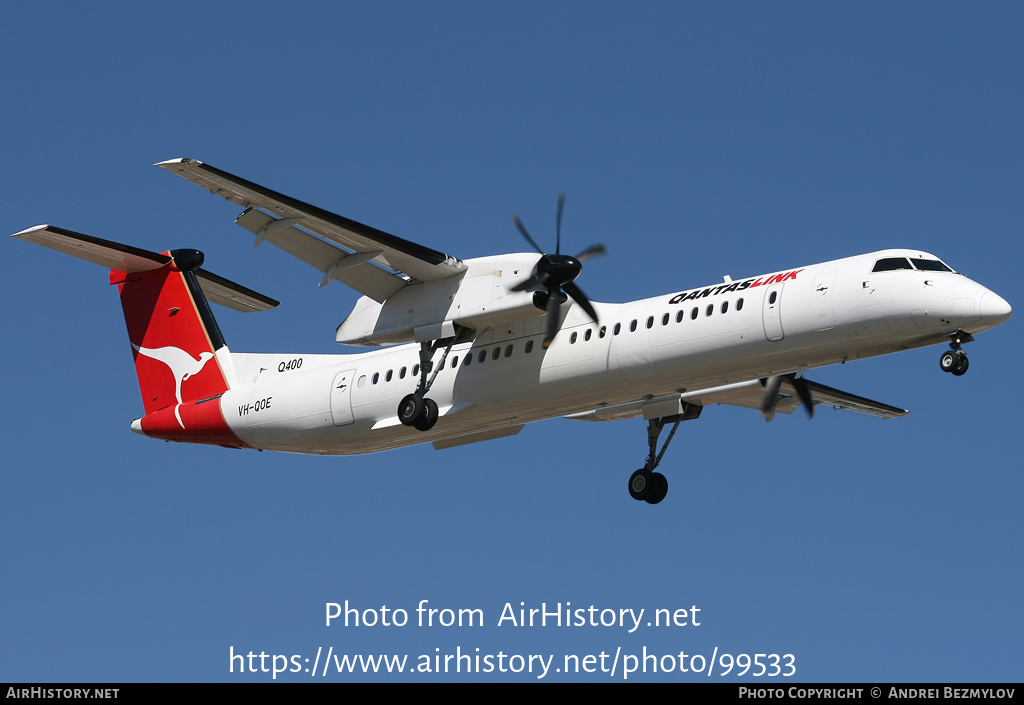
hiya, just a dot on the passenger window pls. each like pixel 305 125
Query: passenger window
pixel 496 353
pixel 469 359
pixel 709 310
pixel 529 346
pixel 725 306
pixel 774 297
pixel 650 321
pixel 588 334
pixel 455 362
pixel 601 333
pixel 482 356
pixel 679 316
pixel 401 373
pixel 664 320
pixel 376 377
pixel 508 351
pixel 693 314
pixel 387 377
pixel 362 381
pixel 572 338
pixel 416 370
pixel 632 326
pixel 739 304
pixel 618 327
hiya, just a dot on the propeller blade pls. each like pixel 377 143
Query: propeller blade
pixel 771 391
pixel 580 298
pixel 532 283
pixel 522 229
pixel 558 224
pixel 592 251
pixel 802 391
pixel 554 301
pixel 554 274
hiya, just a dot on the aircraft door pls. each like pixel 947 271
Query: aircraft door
pixel 822 314
pixel 772 313
pixel 341 397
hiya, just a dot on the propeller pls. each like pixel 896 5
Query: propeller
pixel 771 393
pixel 555 274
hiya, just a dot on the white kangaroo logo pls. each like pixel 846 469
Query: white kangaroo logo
pixel 182 365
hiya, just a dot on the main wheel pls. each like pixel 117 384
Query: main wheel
pixel 429 418
pixel 948 362
pixel 410 409
pixel 961 366
pixel 639 484
pixel 657 489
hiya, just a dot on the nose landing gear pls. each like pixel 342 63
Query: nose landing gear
pixel 955 360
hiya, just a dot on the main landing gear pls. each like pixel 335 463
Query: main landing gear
pixel 645 484
pixel 416 409
pixel 955 360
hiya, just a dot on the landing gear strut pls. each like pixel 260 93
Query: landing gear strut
pixel 645 484
pixel 955 360
pixel 416 409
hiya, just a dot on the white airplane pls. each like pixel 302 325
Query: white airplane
pixel 498 342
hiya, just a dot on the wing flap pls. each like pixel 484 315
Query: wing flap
pixel 416 261
pixel 478 437
pixel 365 277
pixel 838 399
pixel 749 395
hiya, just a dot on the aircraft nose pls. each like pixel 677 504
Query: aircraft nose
pixel 994 308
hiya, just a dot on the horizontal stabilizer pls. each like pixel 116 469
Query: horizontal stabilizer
pixel 112 255
pixel 128 259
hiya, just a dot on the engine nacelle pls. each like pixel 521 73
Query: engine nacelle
pixel 476 299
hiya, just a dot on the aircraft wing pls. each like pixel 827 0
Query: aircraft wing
pixel 749 395
pixel 838 399
pixel 350 252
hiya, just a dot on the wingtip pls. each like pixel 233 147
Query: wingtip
pixel 180 160
pixel 35 228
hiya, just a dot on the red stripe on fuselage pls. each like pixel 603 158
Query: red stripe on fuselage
pixel 203 421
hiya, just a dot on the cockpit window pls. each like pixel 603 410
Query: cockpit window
pixel 890 264
pixel 930 265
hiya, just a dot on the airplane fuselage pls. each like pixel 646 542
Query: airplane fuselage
pixel 729 333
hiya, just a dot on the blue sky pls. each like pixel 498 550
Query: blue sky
pixel 695 140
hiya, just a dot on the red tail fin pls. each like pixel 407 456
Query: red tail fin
pixel 172 331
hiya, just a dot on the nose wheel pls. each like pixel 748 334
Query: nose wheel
pixel 955 360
